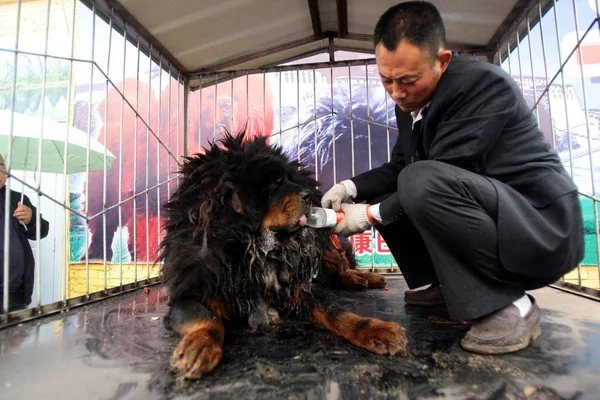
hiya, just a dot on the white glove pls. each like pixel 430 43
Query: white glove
pixel 357 219
pixel 335 197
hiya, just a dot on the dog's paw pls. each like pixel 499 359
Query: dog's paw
pixel 375 281
pixel 351 280
pixel 380 337
pixel 197 353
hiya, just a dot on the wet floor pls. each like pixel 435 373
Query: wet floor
pixel 118 349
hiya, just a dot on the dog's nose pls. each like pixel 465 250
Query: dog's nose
pixel 304 195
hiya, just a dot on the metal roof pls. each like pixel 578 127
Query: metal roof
pixel 209 36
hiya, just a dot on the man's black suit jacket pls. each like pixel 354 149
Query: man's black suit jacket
pixel 478 120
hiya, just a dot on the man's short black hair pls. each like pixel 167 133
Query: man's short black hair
pixel 417 22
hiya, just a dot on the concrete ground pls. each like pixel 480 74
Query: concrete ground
pixel 119 349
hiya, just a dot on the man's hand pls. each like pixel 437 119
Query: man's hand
pixel 357 219
pixel 23 214
pixel 335 197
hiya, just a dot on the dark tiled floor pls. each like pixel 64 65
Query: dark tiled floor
pixel 118 349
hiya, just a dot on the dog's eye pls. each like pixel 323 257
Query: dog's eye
pixel 275 185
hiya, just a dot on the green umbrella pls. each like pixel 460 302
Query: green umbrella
pixel 27 133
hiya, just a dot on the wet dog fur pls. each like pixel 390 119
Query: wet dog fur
pixel 236 250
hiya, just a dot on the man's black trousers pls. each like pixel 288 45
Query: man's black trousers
pixel 449 236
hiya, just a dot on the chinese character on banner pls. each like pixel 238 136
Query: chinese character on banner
pixel 361 243
pixel 382 247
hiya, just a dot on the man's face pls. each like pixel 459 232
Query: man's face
pixel 408 74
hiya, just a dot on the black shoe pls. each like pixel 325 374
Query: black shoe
pixel 430 297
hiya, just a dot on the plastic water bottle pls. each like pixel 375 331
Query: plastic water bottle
pixel 324 217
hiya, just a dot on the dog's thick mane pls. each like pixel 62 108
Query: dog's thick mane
pixel 215 245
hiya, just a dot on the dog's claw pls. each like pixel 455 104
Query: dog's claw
pixel 191 358
pixel 196 354
pixel 383 338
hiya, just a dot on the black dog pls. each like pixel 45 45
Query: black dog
pixel 236 249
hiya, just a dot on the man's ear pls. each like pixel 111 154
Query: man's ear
pixel 444 56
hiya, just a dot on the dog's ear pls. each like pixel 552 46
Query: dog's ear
pixel 231 198
pixel 236 203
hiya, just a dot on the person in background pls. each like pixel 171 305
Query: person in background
pixel 474 202
pixel 21 228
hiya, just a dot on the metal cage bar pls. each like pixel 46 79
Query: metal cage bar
pixel 132 41
pixel 162 149
pixel 580 162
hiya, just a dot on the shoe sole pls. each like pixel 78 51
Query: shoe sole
pixel 487 350
pixel 425 303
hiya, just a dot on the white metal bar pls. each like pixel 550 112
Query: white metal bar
pixel 147 169
pixel 7 164
pixel 585 98
pixel 316 142
pixel 215 105
pixel 135 162
pixel 66 201
pixel 280 107
pixel 232 103
pixel 387 128
pixel 541 24
pixel 200 89
pixel 519 61
pixel 169 116
pixel 264 110
pixel 589 134
pixel 339 114
pixel 120 186
pixel 104 173
pixel 351 120
pixel 247 99
pixel 41 54
pixel 537 112
pixel 87 155
pixel 373 230
pixel 158 148
pixel 106 77
pixel 84 214
pixel 389 151
pixel 38 275
pixel 44 194
pixel 185 121
pixel 333 139
pixel 168 157
pixel 564 89
pixel 298 114
pixel 508 54
pixel 294 67
pixel 368 118
pixel 595 203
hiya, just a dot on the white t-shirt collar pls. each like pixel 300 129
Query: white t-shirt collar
pixel 417 115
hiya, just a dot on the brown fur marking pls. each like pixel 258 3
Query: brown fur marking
pixel 378 336
pixel 200 348
pixel 349 279
pixel 279 213
pixel 374 281
pixel 333 260
pixel 218 307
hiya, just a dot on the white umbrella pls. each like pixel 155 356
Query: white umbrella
pixel 28 131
